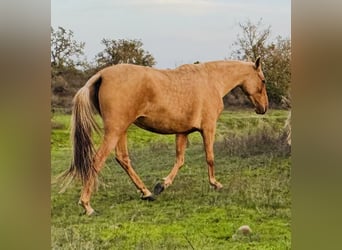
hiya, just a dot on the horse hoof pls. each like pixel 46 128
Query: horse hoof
pixel 148 198
pixel 90 214
pixel 158 188
pixel 93 214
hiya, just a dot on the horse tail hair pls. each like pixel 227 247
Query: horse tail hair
pixel 83 123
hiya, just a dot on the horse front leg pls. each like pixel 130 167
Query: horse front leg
pixel 181 142
pixel 208 140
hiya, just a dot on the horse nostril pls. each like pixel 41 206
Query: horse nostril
pixel 260 110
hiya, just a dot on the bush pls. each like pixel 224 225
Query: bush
pixel 264 140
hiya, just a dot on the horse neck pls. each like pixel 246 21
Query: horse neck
pixel 227 75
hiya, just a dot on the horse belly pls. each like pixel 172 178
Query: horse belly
pixel 165 125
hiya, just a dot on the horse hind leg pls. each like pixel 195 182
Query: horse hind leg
pixel 108 144
pixel 122 157
pixel 181 142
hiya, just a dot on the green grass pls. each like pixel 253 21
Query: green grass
pixel 252 163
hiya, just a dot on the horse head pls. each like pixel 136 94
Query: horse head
pixel 255 88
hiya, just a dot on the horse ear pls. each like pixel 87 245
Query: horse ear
pixel 257 63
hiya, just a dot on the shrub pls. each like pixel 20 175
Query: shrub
pixel 264 140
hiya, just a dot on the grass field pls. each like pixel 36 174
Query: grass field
pixel 252 162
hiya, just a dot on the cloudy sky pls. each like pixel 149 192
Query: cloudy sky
pixel 173 31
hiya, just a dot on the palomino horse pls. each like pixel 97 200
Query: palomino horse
pixel 179 101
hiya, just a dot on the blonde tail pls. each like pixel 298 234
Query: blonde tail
pixel 83 124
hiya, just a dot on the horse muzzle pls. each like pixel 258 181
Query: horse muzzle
pixel 260 110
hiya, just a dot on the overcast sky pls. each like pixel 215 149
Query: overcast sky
pixel 173 31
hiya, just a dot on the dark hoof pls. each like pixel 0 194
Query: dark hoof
pixel 148 198
pixel 158 188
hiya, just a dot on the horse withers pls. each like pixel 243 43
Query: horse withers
pixel 178 101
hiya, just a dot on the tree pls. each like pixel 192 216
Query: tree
pixel 123 51
pixel 276 57
pixel 65 51
pixel 278 71
pixel 252 42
